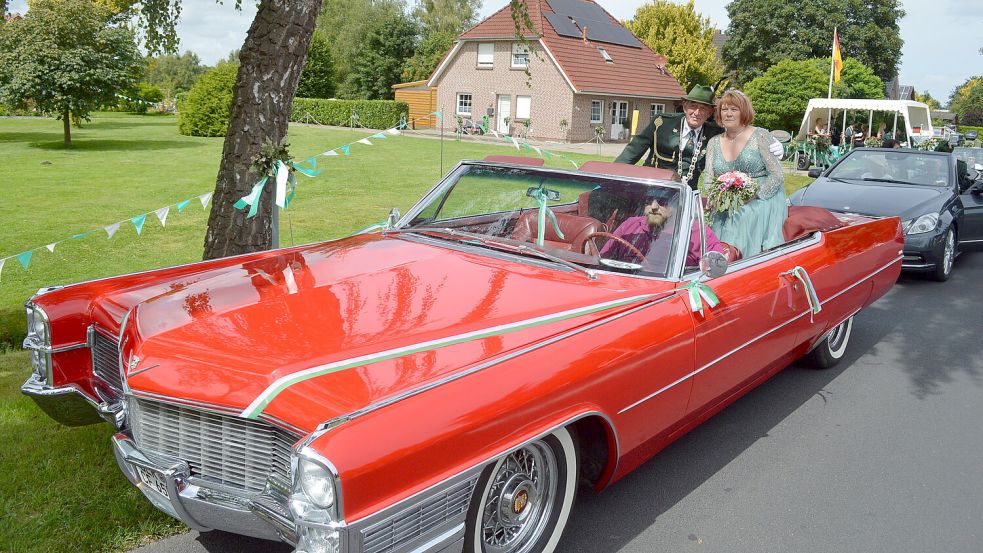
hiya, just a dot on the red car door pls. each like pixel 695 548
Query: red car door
pixel 746 334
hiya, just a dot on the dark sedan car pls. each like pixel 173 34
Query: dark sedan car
pixel 941 216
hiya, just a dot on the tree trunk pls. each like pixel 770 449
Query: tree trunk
pixel 271 61
pixel 66 117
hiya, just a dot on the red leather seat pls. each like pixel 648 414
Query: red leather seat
pixel 805 219
pixel 575 230
pixel 626 170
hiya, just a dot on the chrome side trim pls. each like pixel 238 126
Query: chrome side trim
pixel 331 423
pixel 969 241
pixel 749 342
pixel 917 266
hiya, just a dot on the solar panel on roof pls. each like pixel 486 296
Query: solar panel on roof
pixel 563 25
pixel 591 16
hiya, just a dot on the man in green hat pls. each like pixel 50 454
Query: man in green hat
pixel 678 141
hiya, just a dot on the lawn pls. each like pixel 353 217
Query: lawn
pixel 60 488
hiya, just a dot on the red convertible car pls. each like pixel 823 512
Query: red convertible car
pixel 442 384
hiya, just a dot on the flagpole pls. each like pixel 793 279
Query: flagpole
pixel 832 62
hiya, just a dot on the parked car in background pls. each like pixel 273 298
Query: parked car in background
pixel 941 216
pixel 443 384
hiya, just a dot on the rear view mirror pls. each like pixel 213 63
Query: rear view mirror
pixel 551 195
pixel 815 172
pixel 713 264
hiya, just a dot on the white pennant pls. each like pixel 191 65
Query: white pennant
pixel 162 215
pixel 494 132
pixel 111 229
pixel 535 149
pixel 330 153
pixel 514 142
pixel 282 174
pixel 394 131
pixel 365 141
pixel 51 247
pixel 205 198
pixel 2 261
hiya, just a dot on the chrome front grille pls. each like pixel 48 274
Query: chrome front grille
pixel 105 361
pixel 415 521
pixel 229 450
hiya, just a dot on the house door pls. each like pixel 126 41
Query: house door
pixel 504 111
pixel 619 113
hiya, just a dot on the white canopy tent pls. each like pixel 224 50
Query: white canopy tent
pixel 915 116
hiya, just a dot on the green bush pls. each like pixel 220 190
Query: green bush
pixel 205 111
pixel 374 114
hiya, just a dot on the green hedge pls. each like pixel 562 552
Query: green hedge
pixel 206 109
pixel 374 114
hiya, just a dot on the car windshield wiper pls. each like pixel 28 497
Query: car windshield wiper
pixel 486 241
pixel 895 181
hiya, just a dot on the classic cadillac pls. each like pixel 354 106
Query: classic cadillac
pixel 443 383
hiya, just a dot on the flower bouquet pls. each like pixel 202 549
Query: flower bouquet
pixel 729 192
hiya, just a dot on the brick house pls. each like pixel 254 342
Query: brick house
pixel 587 70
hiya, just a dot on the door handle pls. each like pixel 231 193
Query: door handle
pixel 800 275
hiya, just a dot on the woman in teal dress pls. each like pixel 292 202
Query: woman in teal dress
pixel 757 225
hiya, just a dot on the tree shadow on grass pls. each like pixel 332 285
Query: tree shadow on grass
pixel 30 136
pixel 84 145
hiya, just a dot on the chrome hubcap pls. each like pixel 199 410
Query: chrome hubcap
pixel 520 500
pixel 836 338
pixel 948 253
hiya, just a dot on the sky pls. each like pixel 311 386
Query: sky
pixel 942 38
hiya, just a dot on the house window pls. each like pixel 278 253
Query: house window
pixel 520 56
pixel 523 106
pixel 486 55
pixel 464 103
pixel 605 55
pixel 596 110
pixel 656 109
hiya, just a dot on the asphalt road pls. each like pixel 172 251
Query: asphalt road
pixel 882 453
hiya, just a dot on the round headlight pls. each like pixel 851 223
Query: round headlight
pixel 317 482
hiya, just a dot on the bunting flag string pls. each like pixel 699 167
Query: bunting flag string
pixel 284 180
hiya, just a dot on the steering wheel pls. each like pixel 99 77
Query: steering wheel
pixel 635 251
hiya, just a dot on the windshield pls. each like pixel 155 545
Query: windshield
pixel 596 222
pixel 901 166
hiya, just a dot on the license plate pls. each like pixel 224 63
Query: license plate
pixel 153 480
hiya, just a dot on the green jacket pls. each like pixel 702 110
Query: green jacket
pixel 665 129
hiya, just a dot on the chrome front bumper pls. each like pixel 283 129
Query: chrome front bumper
pixel 202 508
pixel 67 405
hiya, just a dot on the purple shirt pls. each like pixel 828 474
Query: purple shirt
pixel 656 248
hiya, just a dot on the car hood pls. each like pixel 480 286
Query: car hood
pixel 880 199
pixel 323 331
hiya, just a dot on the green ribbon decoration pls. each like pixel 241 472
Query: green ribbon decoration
pixel 540 196
pixel 698 293
pixel 252 199
pixel 377 226
pixel 815 306
pixel 290 184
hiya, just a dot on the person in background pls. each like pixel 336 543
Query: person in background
pixel 859 135
pixel 820 128
pixel 757 225
pixel 891 143
pixel 882 131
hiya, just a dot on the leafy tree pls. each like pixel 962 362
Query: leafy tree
pixel 388 47
pixel 318 78
pixel 967 96
pixel 446 16
pixel 427 55
pixel 780 95
pixel 173 74
pixel 928 100
pixel 764 32
pixel 206 109
pixel 66 58
pixel 683 36
pixel 973 116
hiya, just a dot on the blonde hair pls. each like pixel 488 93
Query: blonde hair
pixel 739 100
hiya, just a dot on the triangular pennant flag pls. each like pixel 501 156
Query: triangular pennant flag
pixel 162 215
pixel 378 135
pixel 2 261
pixel 525 146
pixel 51 247
pixel 346 149
pixel 365 141
pixel 204 199
pixel 312 161
pixel 138 222
pixel 330 153
pixel 182 205
pixel 537 150
pixel 438 114
pixel 547 154
pixel 394 131
pixel 494 133
pixel 25 258
pixel 80 235
pixel 574 163
pixel 111 229
pixel 514 142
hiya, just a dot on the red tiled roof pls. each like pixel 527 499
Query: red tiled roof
pixel 634 71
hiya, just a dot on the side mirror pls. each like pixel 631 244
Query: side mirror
pixel 713 264
pixel 393 218
pixel 815 172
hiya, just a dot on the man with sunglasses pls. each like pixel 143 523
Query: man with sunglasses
pixel 677 141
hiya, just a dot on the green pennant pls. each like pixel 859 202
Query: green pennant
pixel 138 222
pixel 182 205
pixel 25 258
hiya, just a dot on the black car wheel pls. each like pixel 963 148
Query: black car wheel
pixel 522 502
pixel 945 255
pixel 803 163
pixel 831 349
